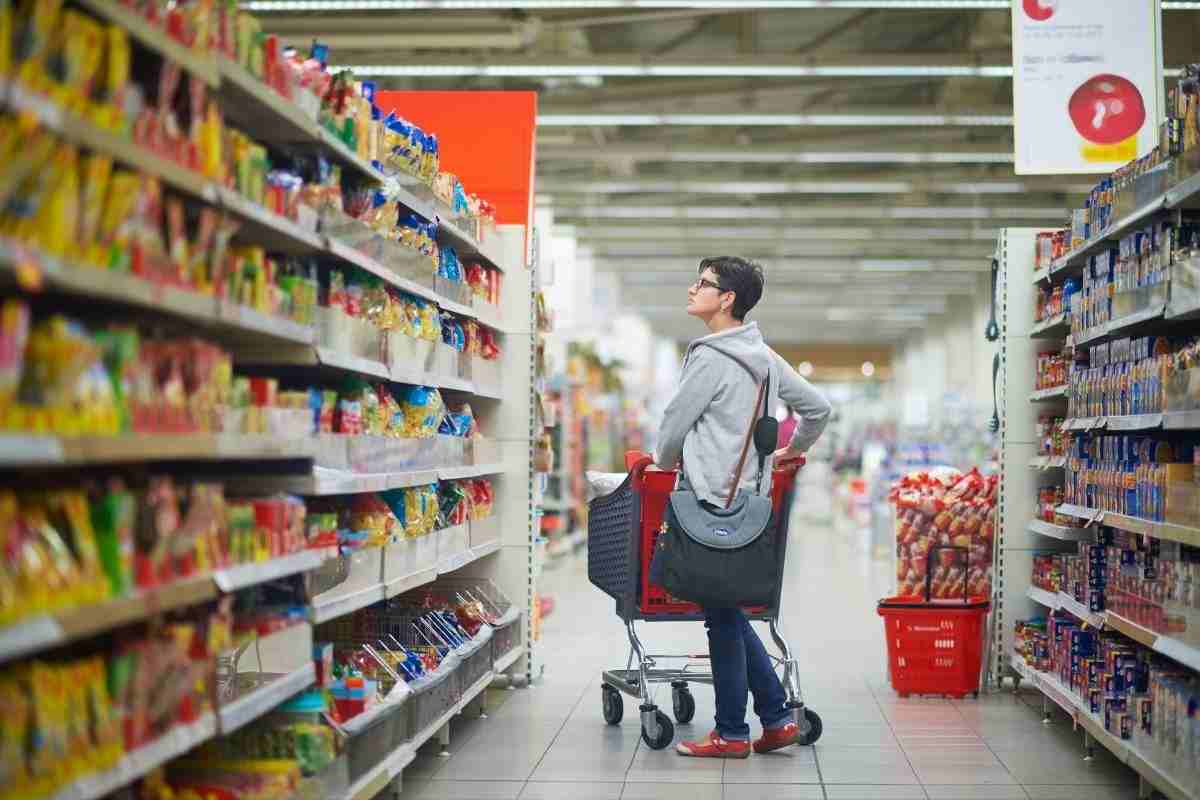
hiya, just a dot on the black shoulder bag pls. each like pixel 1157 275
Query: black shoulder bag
pixel 724 557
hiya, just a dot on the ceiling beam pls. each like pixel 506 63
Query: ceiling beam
pixel 639 65
pixel 269 6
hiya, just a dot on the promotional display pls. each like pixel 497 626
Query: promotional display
pixel 1087 83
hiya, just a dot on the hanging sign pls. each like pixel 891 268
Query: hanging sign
pixel 1087 84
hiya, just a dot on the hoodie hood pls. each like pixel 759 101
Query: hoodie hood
pixel 744 344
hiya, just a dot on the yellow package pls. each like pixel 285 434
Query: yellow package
pixel 115 233
pixel 14 735
pixel 78 45
pixel 48 703
pixel 54 224
pixel 104 733
pixel 37 21
pixel 24 177
pixel 97 170
pixel 70 515
pixel 12 600
pixel 6 34
pixel 60 572
pixel 109 108
pixel 212 162
pixel 75 720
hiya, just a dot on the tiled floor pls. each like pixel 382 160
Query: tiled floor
pixel 551 742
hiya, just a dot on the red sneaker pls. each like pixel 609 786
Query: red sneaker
pixel 778 738
pixel 714 747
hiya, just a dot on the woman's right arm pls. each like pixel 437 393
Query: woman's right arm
pixel 697 386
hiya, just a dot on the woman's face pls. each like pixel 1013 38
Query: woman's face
pixel 705 296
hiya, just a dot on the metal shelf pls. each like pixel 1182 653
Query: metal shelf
pixel 134 765
pixel 387 770
pixel 62 627
pixel 258 701
pixel 1158 530
pixel 1048 462
pixel 1053 393
pixel 1186 654
pixel 117 287
pixel 19 450
pixel 1116 326
pixel 1056 327
pixel 1063 532
pixel 1123 750
pixel 508 659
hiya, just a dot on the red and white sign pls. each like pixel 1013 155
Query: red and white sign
pixel 1087 80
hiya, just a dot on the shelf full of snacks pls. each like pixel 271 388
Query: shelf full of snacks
pixel 1124 273
pixel 195 512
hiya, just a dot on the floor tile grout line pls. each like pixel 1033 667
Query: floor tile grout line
pixel 907 760
pixel 558 733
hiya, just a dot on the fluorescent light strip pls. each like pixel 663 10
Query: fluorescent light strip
pixel 604 233
pixel 674 71
pixel 750 157
pixel 583 5
pixel 760 120
pixel 773 213
pixel 801 187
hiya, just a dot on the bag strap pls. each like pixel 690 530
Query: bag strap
pixel 761 400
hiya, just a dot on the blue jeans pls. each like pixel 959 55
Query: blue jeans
pixel 740 663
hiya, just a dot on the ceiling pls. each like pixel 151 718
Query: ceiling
pixel 860 149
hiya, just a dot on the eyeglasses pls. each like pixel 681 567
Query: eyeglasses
pixel 704 283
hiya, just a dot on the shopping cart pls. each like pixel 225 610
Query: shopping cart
pixel 622 529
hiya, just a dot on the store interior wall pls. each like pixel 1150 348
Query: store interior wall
pixel 946 366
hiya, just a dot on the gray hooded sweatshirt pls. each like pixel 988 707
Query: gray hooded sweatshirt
pixel 705 423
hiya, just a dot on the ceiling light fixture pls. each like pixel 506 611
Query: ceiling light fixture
pixel 587 5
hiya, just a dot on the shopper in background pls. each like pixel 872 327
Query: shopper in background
pixel 787 429
pixel 702 430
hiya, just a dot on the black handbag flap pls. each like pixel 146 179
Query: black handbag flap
pixel 724 529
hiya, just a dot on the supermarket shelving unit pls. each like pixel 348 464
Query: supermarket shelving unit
pixel 1023 472
pixel 502 548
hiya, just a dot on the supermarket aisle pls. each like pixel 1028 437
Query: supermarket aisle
pixel 551 741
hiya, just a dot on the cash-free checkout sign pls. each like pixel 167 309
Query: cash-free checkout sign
pixel 1087 80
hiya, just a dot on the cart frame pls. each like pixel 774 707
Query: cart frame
pixel 615 539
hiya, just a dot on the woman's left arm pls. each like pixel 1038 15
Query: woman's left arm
pixel 800 396
pixel 696 389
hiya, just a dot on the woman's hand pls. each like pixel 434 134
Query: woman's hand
pixel 784 457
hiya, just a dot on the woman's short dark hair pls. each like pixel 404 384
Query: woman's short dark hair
pixel 743 278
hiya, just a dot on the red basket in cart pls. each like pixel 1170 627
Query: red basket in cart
pixel 935 647
pixel 623 529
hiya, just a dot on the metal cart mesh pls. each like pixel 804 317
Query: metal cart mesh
pixel 621 530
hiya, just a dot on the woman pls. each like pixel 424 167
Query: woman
pixel 704 427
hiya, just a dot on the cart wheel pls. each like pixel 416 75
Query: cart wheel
pixel 684 705
pixel 814 729
pixel 614 706
pixel 666 732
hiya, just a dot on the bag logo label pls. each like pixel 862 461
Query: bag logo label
pixel 722 531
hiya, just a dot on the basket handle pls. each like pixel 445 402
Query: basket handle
pixel 933 551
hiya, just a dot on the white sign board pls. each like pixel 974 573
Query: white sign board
pixel 1087 84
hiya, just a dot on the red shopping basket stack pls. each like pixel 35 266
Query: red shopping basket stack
pixel 935 647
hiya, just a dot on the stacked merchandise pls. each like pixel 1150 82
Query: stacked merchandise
pixel 1133 693
pixel 1052 438
pixel 133 189
pixel 951 510
pixel 1052 370
pixel 1127 474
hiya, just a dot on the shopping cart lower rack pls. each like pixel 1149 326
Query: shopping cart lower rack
pixel 622 527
